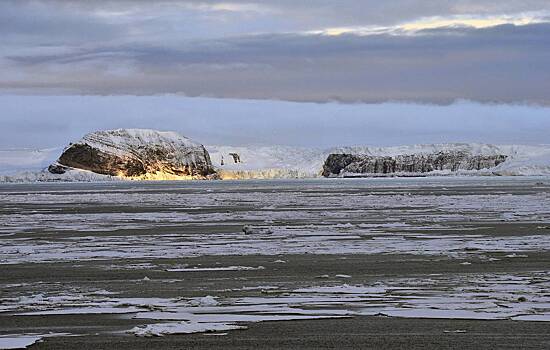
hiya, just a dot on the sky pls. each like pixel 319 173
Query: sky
pixel 53 121
pixel 284 71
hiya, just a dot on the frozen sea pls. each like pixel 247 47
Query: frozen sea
pixel 127 262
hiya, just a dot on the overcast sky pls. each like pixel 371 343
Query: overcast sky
pixel 375 58
pixel 53 121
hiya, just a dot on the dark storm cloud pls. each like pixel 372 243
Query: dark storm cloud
pixel 262 49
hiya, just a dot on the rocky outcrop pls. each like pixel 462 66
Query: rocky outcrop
pixel 359 164
pixel 136 153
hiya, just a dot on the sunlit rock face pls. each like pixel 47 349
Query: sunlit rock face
pixel 137 153
pixel 407 164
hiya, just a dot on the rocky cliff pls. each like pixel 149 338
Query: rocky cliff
pixel 407 164
pixel 137 153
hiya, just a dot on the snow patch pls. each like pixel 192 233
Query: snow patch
pixel 184 327
pixel 22 341
pixel 18 341
pixel 225 268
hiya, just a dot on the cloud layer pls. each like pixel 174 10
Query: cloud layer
pixel 349 51
pixel 54 121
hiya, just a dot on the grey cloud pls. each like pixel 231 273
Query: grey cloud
pixel 502 64
pixel 37 23
pixel 197 49
pixel 330 12
pixel 172 20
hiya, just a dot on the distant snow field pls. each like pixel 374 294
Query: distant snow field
pixel 268 162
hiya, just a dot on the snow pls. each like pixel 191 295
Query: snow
pixel 473 148
pixel 289 162
pixel 458 296
pixel 123 141
pixel 204 301
pixel 31 165
pixel 343 289
pixel 72 175
pixel 446 314
pixel 397 222
pixel 296 162
pixel 261 162
pixel 226 268
pixel 184 327
pixel 286 241
pixel 14 161
pixel 265 162
pixel 84 310
pixel 545 317
pixel 525 160
pixel 22 341
pixel 18 341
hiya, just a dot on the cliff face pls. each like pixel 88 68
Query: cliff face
pixel 136 153
pixel 358 164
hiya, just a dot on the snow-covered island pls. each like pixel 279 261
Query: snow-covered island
pixel 143 154
pixel 137 154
